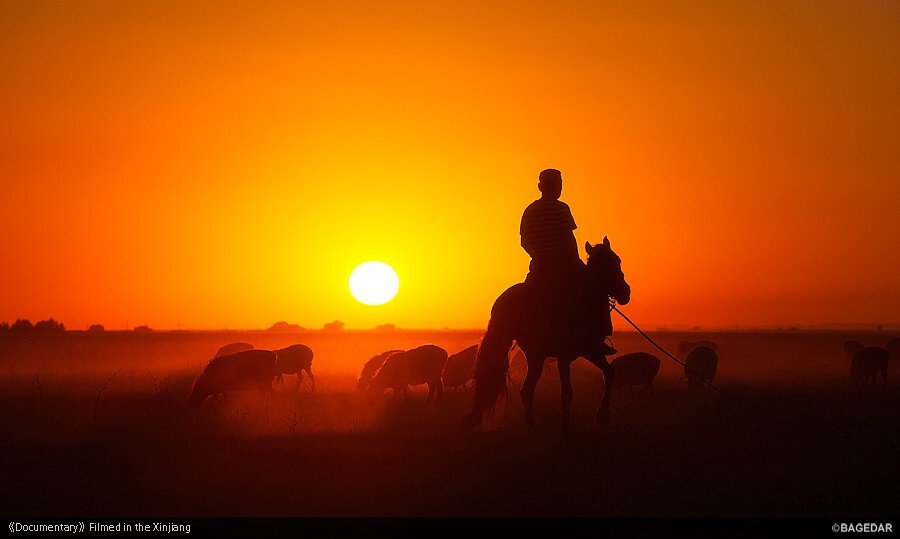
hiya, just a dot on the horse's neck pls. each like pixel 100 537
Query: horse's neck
pixel 595 289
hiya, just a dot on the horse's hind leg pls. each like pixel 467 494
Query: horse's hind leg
pixel 532 375
pixel 565 385
pixel 312 378
pixel 299 380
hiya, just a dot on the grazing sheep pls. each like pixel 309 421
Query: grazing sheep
pixel 247 370
pixel 893 347
pixel 636 369
pixel 294 360
pixel 867 363
pixel 370 368
pixel 460 368
pixel 422 365
pixel 233 348
pixel 703 361
pixel 851 348
pixel 685 347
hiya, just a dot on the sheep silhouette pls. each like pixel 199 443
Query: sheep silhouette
pixel 636 369
pixel 685 347
pixel 460 368
pixel 851 348
pixel 233 348
pixel 893 348
pixel 247 370
pixel 294 360
pixel 370 368
pixel 867 363
pixel 701 364
pixel 422 365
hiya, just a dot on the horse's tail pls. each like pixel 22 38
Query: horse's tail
pixel 491 368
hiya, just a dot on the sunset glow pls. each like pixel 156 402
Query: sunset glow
pixel 221 164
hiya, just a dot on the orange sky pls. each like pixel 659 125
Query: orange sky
pixel 227 164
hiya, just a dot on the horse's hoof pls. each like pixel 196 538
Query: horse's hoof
pixel 602 416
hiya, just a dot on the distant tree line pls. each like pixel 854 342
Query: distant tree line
pixel 24 327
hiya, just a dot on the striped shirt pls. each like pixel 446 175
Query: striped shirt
pixel 546 229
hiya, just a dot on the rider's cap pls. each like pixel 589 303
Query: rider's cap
pixel 550 174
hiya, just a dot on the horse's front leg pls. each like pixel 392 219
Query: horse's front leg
pixel 609 375
pixel 565 386
pixel 532 375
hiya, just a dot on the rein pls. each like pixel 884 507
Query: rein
pixel 612 307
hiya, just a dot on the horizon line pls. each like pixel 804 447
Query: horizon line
pixel 832 326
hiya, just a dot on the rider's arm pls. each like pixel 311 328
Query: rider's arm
pixel 526 241
pixel 572 246
pixel 526 244
pixel 569 224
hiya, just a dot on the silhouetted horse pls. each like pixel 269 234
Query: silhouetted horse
pixel 294 360
pixel 516 315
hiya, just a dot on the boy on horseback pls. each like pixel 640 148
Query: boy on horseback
pixel 556 272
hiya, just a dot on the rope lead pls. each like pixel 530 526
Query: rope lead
pixel 613 307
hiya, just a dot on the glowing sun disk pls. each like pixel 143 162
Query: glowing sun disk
pixel 374 283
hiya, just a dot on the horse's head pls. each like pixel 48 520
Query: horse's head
pixel 605 268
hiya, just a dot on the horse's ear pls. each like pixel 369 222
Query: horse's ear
pixel 605 241
pixel 587 247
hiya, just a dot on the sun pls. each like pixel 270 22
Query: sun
pixel 374 283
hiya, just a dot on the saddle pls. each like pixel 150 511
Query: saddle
pixel 564 307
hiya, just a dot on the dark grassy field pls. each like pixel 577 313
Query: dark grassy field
pixel 98 425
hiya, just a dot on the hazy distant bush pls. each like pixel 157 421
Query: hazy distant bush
pixel 96 328
pixel 337 325
pixel 142 329
pixel 49 326
pixel 386 327
pixel 284 326
pixel 4 327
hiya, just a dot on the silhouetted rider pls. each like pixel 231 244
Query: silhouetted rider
pixel 555 271
pixel 547 231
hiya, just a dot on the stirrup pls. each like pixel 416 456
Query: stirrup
pixel 608 350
